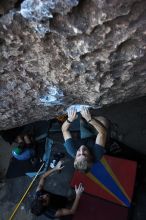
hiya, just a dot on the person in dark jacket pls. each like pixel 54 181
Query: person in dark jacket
pixel 50 204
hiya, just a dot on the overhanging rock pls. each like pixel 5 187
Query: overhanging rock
pixel 64 52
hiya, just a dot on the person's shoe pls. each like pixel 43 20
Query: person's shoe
pixel 27 139
pixel 19 139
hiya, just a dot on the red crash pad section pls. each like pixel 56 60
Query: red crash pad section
pixel 93 208
pixel 111 179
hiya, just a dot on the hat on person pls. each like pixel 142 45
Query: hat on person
pixel 17 150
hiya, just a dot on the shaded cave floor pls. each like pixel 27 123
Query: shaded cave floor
pixel 129 121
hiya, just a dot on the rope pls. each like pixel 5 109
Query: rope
pixel 17 206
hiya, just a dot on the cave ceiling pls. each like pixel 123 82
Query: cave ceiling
pixel 55 53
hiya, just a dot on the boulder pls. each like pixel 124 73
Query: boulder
pixel 57 53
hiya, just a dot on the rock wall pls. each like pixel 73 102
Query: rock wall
pixel 54 53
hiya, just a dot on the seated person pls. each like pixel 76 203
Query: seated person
pixel 85 156
pixel 52 205
pixel 25 150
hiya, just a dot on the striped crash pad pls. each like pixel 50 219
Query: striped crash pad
pixel 93 208
pixel 111 179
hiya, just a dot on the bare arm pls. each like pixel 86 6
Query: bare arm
pixel 102 133
pixel 49 172
pixel 67 123
pixel 65 130
pixel 72 210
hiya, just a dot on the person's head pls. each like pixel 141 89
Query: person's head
pixel 38 205
pixel 83 159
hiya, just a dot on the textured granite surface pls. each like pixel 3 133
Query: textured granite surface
pixel 65 52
